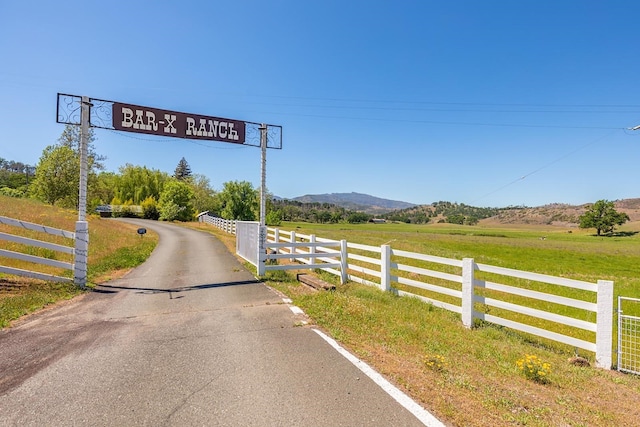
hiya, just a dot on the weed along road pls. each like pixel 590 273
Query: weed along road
pixel 188 338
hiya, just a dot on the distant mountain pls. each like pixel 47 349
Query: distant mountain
pixel 356 202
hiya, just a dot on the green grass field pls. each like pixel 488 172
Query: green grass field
pixel 577 254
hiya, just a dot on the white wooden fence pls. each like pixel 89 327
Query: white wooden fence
pixel 325 254
pixel 226 225
pixel 79 251
pixel 576 313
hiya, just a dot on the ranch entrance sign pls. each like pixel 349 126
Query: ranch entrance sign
pixel 133 118
pixel 99 113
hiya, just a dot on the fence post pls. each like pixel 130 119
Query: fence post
pixel 604 324
pixel 468 267
pixel 385 267
pixel 344 274
pixel 312 249
pixel 292 250
pixel 276 238
pixel 80 253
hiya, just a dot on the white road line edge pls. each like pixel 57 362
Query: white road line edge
pixel 409 404
pixel 296 310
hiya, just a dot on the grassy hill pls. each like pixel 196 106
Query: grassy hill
pixel 559 214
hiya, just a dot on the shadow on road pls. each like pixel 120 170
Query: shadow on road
pixel 108 289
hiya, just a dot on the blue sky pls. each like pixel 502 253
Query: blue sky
pixel 488 103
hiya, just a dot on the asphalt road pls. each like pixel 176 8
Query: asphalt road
pixel 188 338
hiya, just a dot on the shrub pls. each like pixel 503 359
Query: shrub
pixel 150 208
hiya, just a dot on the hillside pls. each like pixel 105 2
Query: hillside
pixel 558 214
pixel 356 202
pixel 555 214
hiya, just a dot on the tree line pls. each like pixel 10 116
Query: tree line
pixel 453 213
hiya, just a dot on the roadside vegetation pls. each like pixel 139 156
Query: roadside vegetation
pixel 487 376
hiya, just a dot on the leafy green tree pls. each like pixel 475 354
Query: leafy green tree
pixel 70 137
pixel 204 195
pixel 239 201
pixel 358 217
pixel 602 216
pixel 273 218
pixel 103 189
pixel 15 175
pixel 323 216
pixel 183 170
pixel 455 219
pixel 136 183
pixel 176 201
pixel 57 176
pixel 471 220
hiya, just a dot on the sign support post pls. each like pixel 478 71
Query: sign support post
pixel 82 226
pixel 262 243
pixel 84 137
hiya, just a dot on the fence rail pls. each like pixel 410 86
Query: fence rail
pixel 572 312
pixel 78 250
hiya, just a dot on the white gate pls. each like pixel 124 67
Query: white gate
pixel 629 335
pixel 247 240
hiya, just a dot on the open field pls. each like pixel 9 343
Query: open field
pixel 564 252
pixel 114 248
pixel 471 377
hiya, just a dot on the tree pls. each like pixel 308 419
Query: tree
pixel 137 183
pixel 176 201
pixel 239 201
pixel 57 176
pixel 70 137
pixel 455 219
pixel 15 175
pixel 204 196
pixel 602 216
pixel 358 217
pixel 183 170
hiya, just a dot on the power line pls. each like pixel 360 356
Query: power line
pixel 437 122
pixel 564 156
pixel 379 101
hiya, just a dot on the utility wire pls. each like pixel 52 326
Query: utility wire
pixel 436 122
pixel 523 177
